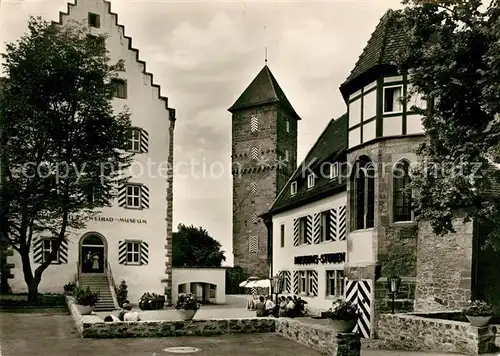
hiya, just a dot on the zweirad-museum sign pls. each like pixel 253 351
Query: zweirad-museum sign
pixel 338 257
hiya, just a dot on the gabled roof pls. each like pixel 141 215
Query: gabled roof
pixel 330 147
pixel 382 47
pixel 264 89
pixel 128 40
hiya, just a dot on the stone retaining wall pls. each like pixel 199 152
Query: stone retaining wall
pixel 92 326
pixel 416 333
pixel 322 338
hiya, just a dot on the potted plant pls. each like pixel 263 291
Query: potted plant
pixel 69 288
pixel 187 306
pixel 478 313
pixel 151 301
pixel 121 293
pixel 343 315
pixel 85 300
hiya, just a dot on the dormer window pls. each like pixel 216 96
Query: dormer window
pixel 293 188
pixel 392 99
pixel 334 170
pixel 310 180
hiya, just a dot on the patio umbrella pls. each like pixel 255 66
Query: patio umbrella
pixel 244 284
pixel 263 283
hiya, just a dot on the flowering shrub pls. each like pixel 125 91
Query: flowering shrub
pixel 343 310
pixel 187 301
pixel 151 301
pixel 478 308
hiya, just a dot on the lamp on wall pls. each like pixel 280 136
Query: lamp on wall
pixel 277 283
pixel 393 285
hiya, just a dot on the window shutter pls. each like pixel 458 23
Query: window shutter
pixel 144 197
pixel 144 253
pixel 63 252
pixel 296 225
pixel 287 281
pixel 295 282
pixel 122 196
pixel 37 250
pixel 253 244
pixel 122 252
pixel 317 228
pixel 314 283
pixel 332 229
pixel 309 229
pixel 144 141
pixel 342 223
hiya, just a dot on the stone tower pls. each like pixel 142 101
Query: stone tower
pixel 264 155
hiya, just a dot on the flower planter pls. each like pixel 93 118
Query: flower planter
pixel 186 314
pixel 478 321
pixel 343 326
pixel 85 309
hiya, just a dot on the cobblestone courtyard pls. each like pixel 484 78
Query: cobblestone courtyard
pixel 26 334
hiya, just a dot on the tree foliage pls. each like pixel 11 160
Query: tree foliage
pixel 194 247
pixel 234 276
pixel 62 145
pixel 452 56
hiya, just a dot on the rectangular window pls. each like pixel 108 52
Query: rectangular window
pixel 133 252
pixel 120 88
pixel 96 41
pixel 302 282
pixel 282 235
pixel 133 196
pixel 334 170
pixel 302 230
pixel 287 126
pixel 134 143
pixel 293 188
pixel 392 99
pixel 335 283
pixel 47 245
pixel 325 226
pixel 94 20
pixel 310 180
pixel 310 282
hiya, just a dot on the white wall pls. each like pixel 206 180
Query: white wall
pixel 283 257
pixel 147 112
pixel 215 276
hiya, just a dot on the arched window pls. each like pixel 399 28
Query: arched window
pixel 364 194
pixel 401 195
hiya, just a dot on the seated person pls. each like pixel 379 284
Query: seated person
pixel 261 307
pixel 290 307
pixel 130 315
pixel 269 306
pixel 123 311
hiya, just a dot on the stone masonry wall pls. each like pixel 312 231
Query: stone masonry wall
pixel 248 203
pixel 443 269
pixel 322 338
pixel 394 243
pixel 415 333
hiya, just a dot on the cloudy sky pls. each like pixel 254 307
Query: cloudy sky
pixel 205 53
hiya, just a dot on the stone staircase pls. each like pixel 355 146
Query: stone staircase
pixel 99 283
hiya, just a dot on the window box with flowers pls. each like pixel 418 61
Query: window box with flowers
pixel 343 315
pixel 187 306
pixel 478 313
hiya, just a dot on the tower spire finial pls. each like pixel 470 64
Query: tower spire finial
pixel 266 57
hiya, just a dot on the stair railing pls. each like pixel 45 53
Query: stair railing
pixel 77 274
pixel 112 285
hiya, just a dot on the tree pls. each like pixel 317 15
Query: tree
pixel 452 54
pixel 234 276
pixel 62 146
pixel 194 247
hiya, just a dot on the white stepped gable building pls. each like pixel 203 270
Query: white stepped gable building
pixel 309 223
pixel 132 239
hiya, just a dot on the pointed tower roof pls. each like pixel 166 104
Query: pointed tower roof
pixel 264 89
pixel 381 48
